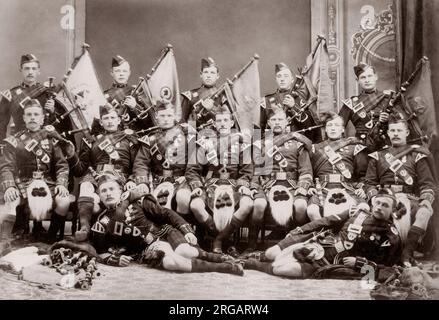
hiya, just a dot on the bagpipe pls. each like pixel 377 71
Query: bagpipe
pixel 398 98
pixel 144 108
pixel 307 99
pixel 224 95
pixel 198 107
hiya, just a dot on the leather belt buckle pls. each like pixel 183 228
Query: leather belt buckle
pixel 334 178
pixel 167 173
pixel 224 175
pixel 281 176
pixel 108 167
pixel 37 175
pixel 397 188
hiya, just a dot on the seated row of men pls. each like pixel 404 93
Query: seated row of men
pixel 220 179
pixel 225 184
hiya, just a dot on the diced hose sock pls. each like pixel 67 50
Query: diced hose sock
pixel 224 267
pixel 413 237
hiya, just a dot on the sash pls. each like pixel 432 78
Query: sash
pixel 394 164
pixel 363 104
pixel 353 231
pixel 158 151
pixel 116 95
pixel 19 96
pixel 334 158
pixel 33 145
pixel 277 156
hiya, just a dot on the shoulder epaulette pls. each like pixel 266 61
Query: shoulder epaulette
pixel 12 141
pixel 358 148
pixel 87 143
pixel 7 94
pixel 187 95
pixel 347 102
pixel 374 155
pixel 144 139
pixel 419 156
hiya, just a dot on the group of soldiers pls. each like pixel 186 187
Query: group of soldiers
pixel 160 196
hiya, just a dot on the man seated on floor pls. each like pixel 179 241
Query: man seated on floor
pixel 360 238
pixel 131 225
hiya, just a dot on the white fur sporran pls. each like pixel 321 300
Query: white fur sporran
pixel 164 193
pixel 403 224
pixel 39 199
pixel 223 206
pixel 337 201
pixel 281 203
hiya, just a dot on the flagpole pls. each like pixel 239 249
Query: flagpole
pixel 215 94
pixel 163 55
pixel 88 137
pixel 319 40
pixel 233 103
pixel 240 72
pixel 231 82
pixel 85 48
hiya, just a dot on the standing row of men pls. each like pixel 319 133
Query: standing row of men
pixel 219 179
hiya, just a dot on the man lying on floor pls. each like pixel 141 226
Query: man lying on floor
pixel 132 226
pixel 359 238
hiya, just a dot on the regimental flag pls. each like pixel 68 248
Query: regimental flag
pixel 419 100
pixel 317 80
pixel 83 86
pixel 163 82
pixel 247 94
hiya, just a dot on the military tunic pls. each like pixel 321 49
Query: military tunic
pixel 285 157
pixel 116 95
pixel 27 152
pixel 404 169
pixel 339 164
pixel 221 158
pixel 163 154
pixel 355 234
pixel 12 102
pixel 276 99
pixel 364 111
pixel 135 223
pixel 190 98
pixel 115 151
